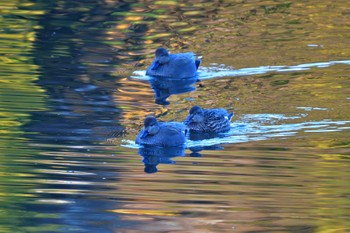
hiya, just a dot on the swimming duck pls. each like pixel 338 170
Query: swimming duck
pixel 161 133
pixel 215 120
pixel 180 65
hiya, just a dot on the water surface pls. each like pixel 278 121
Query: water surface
pixel 73 98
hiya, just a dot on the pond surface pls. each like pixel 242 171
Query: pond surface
pixel 74 95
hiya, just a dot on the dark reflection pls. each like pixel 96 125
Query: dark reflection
pixel 196 149
pixel 199 137
pixel 194 136
pixel 163 88
pixel 153 155
pixel 77 73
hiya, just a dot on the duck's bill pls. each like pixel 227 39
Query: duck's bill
pixel 155 66
pixel 144 134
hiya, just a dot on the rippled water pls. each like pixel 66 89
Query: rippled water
pixel 74 95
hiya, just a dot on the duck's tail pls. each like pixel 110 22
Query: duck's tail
pixel 198 61
pixel 230 116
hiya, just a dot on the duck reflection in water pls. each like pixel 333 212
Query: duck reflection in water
pixel 154 155
pixel 164 88
pixel 198 138
pixel 196 149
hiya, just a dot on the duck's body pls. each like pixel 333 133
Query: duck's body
pixel 215 120
pixel 180 65
pixel 165 134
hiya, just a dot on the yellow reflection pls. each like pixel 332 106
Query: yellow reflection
pixel 332 156
pixel 156 36
pixel 133 18
pixel 145 212
pixel 123 26
pixel 167 3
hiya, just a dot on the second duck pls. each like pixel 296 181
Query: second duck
pixel 215 120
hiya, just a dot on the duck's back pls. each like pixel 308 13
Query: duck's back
pixel 181 65
pixel 217 119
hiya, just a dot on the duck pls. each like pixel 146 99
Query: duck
pixel 216 120
pixel 178 66
pixel 163 134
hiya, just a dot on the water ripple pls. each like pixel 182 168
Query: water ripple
pixel 217 71
pixel 257 127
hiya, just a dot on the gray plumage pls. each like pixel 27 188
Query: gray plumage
pixel 180 65
pixel 161 133
pixel 215 120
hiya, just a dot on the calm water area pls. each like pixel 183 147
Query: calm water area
pixel 73 97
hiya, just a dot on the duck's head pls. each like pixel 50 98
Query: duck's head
pixel 162 55
pixel 196 115
pixel 151 126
